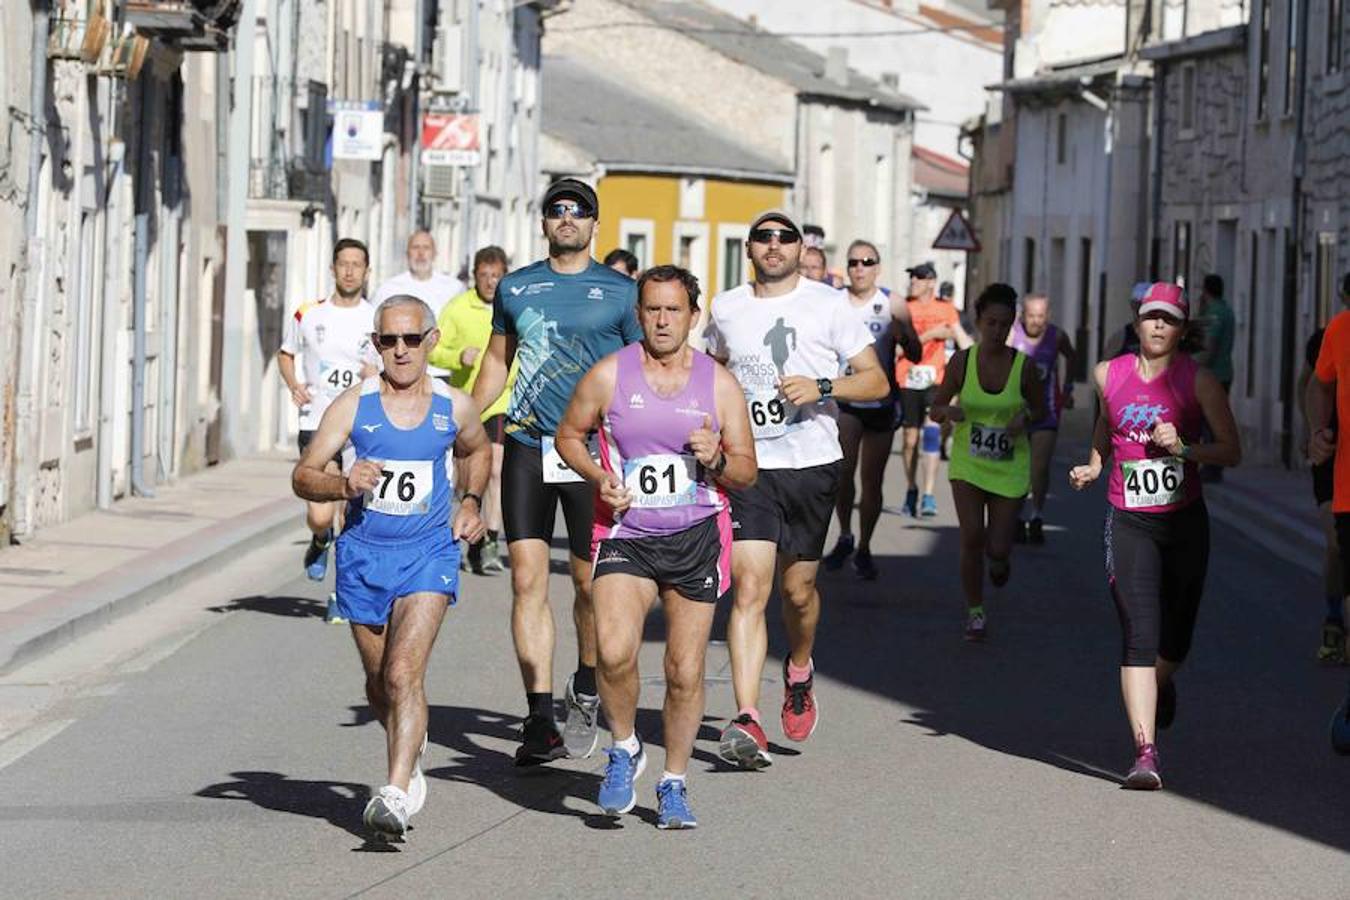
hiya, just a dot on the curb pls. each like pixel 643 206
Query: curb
pixel 59 617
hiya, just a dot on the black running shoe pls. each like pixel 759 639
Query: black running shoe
pixel 475 556
pixel 999 572
pixel 1167 705
pixel 1036 531
pixel 863 565
pixel 843 549
pixel 541 742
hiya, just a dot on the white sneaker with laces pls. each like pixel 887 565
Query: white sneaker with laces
pixel 387 812
pixel 417 785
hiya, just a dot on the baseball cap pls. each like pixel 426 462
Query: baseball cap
pixel 923 270
pixel 1138 291
pixel 572 188
pixel 775 215
pixel 1165 297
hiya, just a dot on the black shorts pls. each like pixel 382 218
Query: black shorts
pixel 1324 481
pixel 696 562
pixel 787 507
pixel 306 437
pixel 529 505
pixel 496 428
pixel 914 406
pixel 872 418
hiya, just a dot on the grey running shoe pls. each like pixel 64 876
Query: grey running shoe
pixel 581 732
pixel 417 785
pixel 387 813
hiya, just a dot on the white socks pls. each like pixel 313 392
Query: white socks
pixel 630 743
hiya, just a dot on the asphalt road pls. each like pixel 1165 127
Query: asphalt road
pixel 218 745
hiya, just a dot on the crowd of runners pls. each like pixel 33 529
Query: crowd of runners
pixel 698 449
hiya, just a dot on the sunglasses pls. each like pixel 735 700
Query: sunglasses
pixel 390 341
pixel 764 235
pixel 562 210
pixel 868 261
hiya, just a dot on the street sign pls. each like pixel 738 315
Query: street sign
pixel 450 139
pixel 358 130
pixel 957 235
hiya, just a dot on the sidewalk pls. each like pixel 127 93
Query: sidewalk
pixel 74 577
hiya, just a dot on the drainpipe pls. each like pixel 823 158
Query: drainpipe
pixel 1159 100
pixel 471 89
pixel 145 193
pixel 414 106
pixel 1293 245
pixel 25 448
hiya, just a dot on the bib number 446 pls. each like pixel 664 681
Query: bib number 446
pixel 991 443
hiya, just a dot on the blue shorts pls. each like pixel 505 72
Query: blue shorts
pixel 371 576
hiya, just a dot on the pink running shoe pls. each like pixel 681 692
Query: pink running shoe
pixel 1145 776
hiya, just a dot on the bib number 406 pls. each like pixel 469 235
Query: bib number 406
pixel 1152 482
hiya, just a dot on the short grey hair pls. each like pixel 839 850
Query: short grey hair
pixel 428 317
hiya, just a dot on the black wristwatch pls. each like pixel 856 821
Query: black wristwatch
pixel 476 499
pixel 826 388
pixel 720 467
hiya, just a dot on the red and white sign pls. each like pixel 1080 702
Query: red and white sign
pixel 450 139
pixel 957 235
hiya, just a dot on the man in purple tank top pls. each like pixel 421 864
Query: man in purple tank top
pixel 1044 343
pixel 674 433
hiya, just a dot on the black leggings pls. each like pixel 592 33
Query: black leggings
pixel 1156 564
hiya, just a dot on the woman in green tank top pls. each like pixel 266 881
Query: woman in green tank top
pixel 996 394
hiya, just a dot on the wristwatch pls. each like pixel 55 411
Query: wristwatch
pixel 826 388
pixel 470 495
pixel 720 466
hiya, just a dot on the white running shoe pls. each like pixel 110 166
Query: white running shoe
pixel 417 785
pixel 387 813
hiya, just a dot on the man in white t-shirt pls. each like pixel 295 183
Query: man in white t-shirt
pixel 421 280
pixel 785 338
pixel 332 337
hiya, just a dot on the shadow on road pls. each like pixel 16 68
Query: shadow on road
pixel 339 803
pixel 1250 735
pixel 290 607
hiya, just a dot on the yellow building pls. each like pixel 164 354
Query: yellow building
pixel 671 189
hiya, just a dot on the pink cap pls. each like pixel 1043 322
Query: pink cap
pixel 1165 297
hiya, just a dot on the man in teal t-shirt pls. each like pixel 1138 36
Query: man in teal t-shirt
pixel 1216 318
pixel 558 317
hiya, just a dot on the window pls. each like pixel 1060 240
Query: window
pixel 733 262
pixel 85 294
pixel 1188 98
pixel 690 242
pixel 1084 308
pixel 1028 265
pixel 1291 57
pixel 1252 287
pixel 1335 22
pixel 637 237
pixel 1061 139
pixel 1263 61
pixel 1181 252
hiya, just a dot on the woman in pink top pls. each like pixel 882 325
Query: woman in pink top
pixel 1153 406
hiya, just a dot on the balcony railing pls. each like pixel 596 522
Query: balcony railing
pixel 187 24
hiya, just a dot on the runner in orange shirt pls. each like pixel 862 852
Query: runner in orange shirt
pixel 936 322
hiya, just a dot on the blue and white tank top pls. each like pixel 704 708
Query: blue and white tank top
pixel 413 496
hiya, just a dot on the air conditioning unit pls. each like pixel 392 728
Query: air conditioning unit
pixel 449 65
pixel 439 183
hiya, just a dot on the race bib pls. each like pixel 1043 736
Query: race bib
pixel 661 480
pixel 988 442
pixel 770 413
pixel 404 488
pixel 334 378
pixel 921 378
pixel 1153 482
pixel 555 470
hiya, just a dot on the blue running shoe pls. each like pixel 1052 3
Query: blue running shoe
pixel 928 507
pixel 911 507
pixel 316 556
pixel 672 806
pixel 616 791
